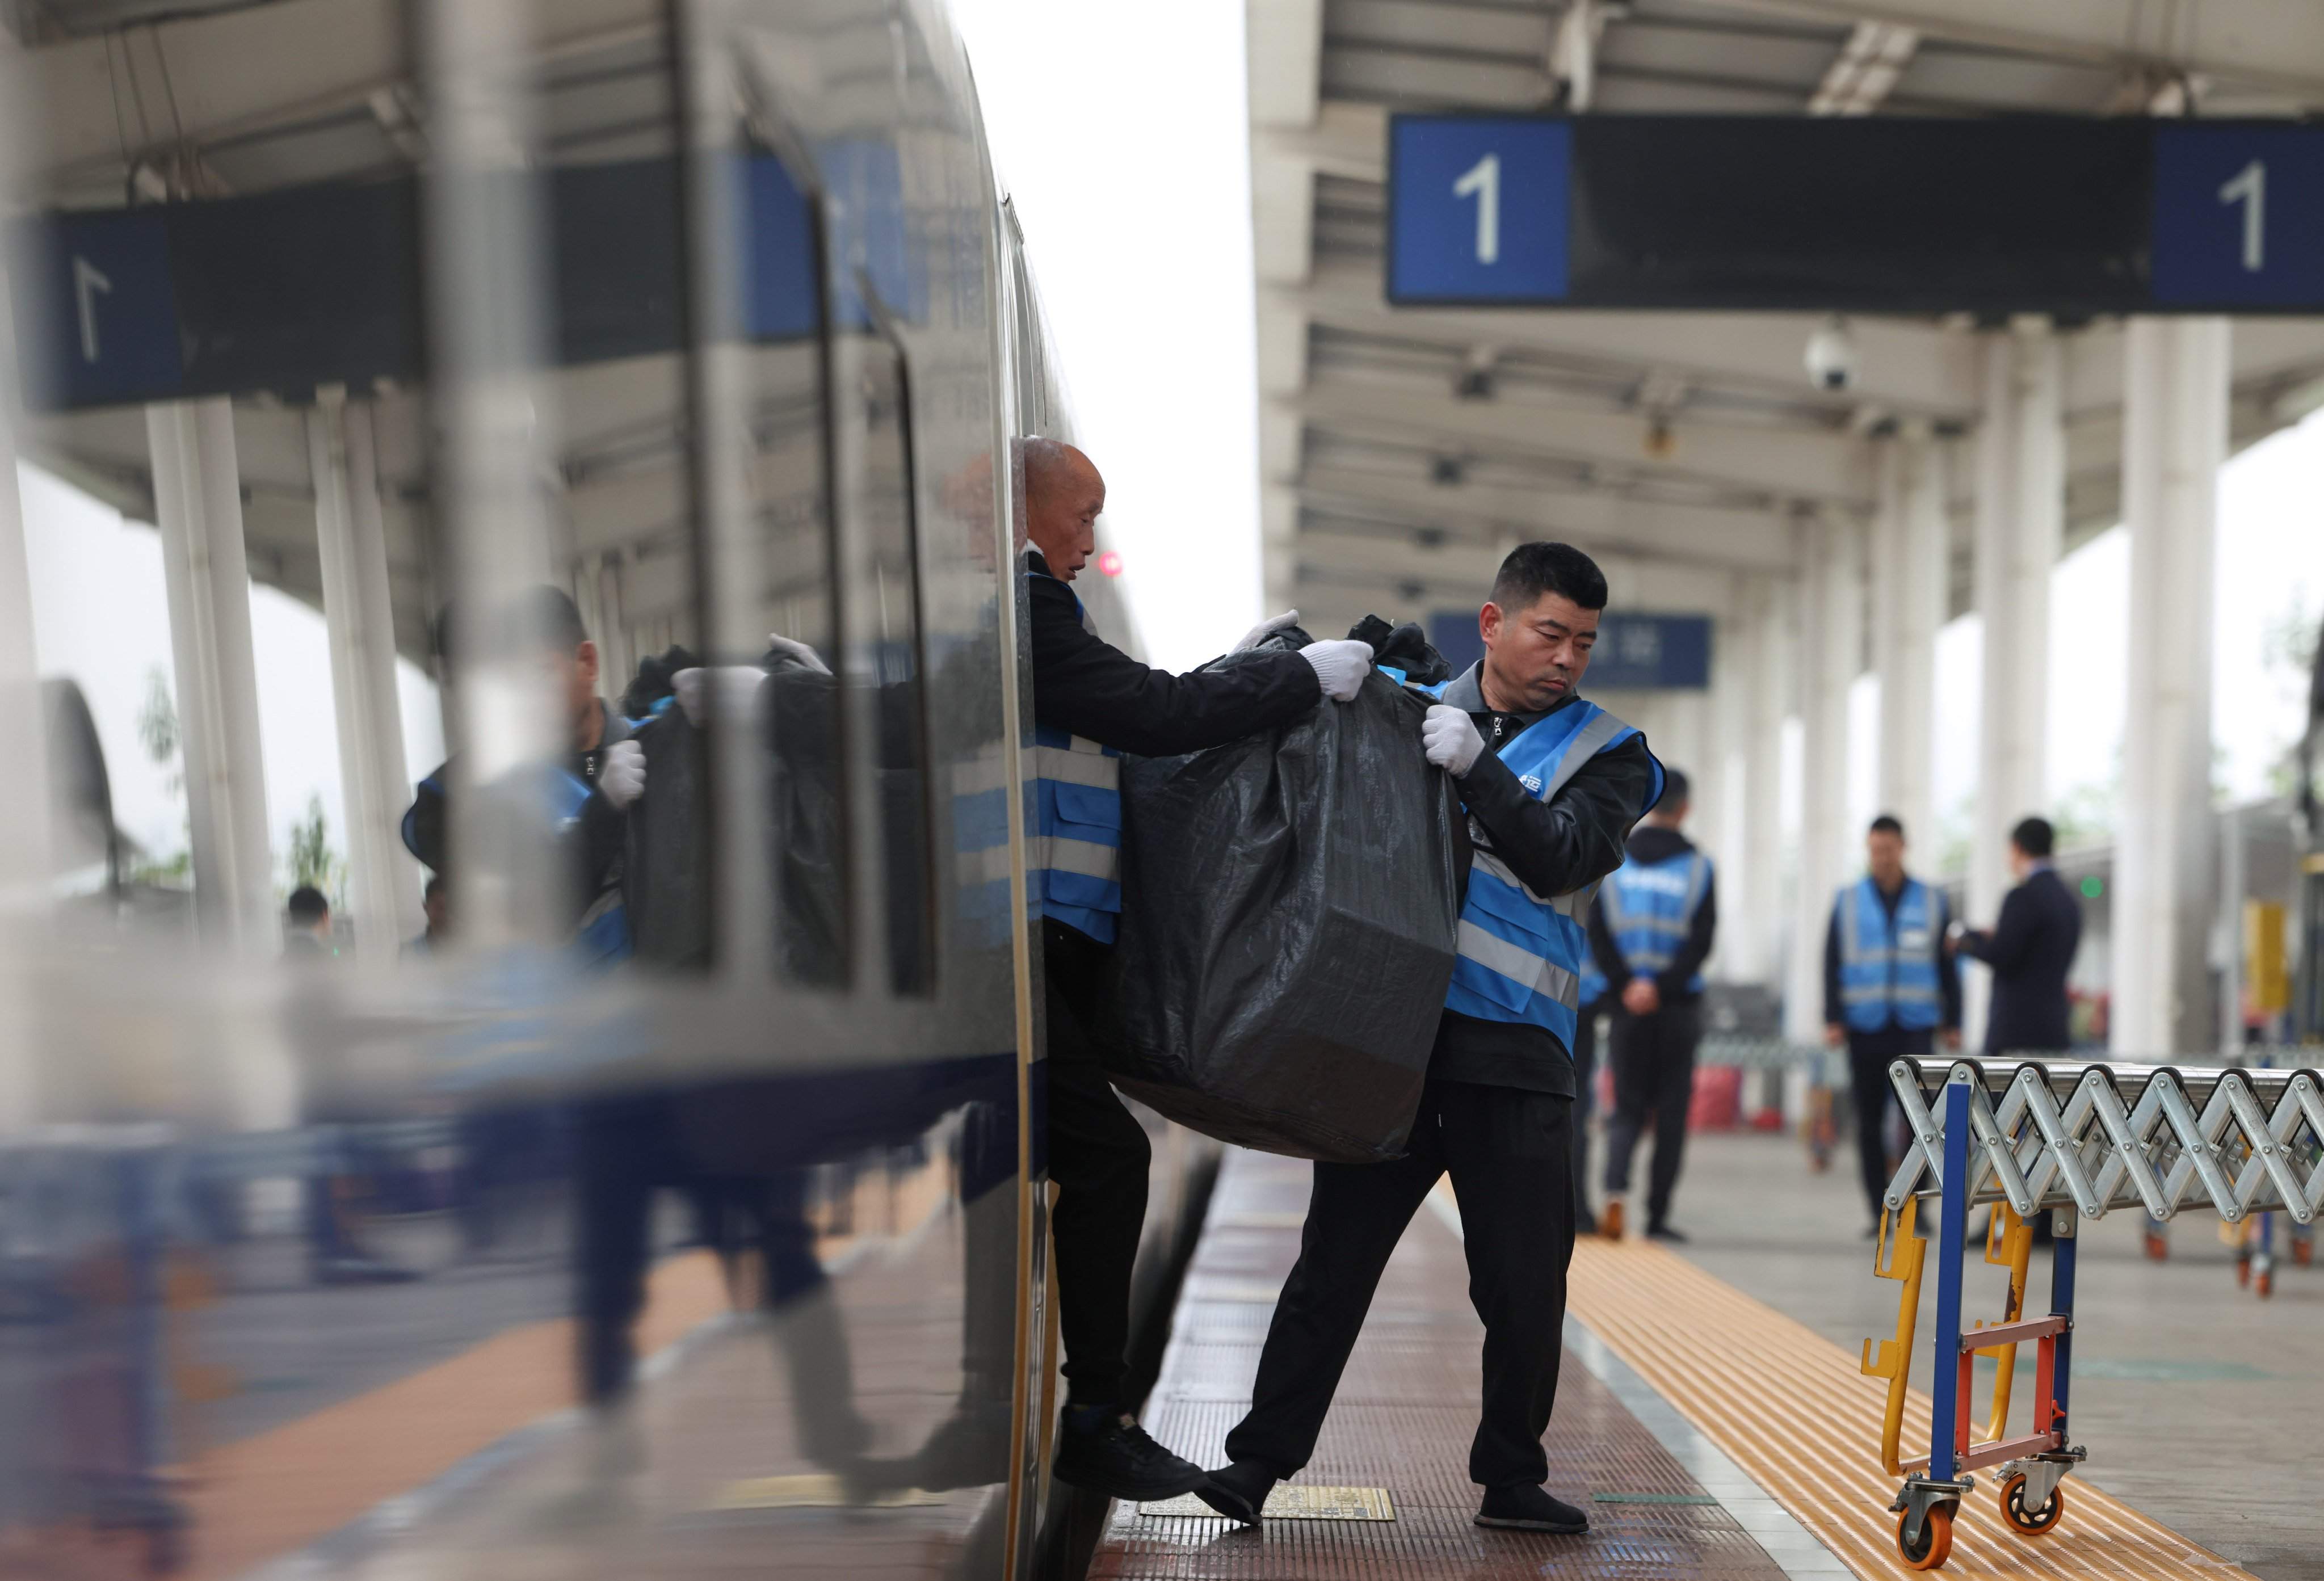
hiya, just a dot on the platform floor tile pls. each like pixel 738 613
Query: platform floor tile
pixel 1402 1421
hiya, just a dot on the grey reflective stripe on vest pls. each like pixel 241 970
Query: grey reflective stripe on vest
pixel 1519 965
pixel 1575 904
pixel 1083 763
pixel 1061 854
pixel 1586 744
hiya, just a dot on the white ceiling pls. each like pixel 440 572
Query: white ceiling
pixel 1403 449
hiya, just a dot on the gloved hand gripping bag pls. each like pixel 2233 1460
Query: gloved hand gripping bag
pixel 1290 905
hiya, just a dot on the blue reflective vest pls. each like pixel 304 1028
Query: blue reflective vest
pixel 1650 906
pixel 1519 956
pixel 1889 969
pixel 1075 855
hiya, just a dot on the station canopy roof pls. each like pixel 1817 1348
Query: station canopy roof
pixel 1403 448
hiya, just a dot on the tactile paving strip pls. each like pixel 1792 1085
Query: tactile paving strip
pixel 1792 1410
pixel 1402 1421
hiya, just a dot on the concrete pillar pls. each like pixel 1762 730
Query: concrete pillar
pixel 1720 789
pixel 1831 646
pixel 2021 507
pixel 2174 438
pixel 1908 606
pixel 23 790
pixel 197 505
pixel 1757 922
pixel 382 879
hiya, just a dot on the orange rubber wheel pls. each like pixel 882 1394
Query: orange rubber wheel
pixel 2158 1247
pixel 2303 1250
pixel 2243 1271
pixel 2263 1284
pixel 2034 1523
pixel 1936 1539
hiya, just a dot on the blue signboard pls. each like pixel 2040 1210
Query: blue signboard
pixel 1479 210
pixel 1633 652
pixel 2238 215
pixel 2066 214
pixel 95 316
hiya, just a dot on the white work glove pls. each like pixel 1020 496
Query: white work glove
pixel 1267 629
pixel 1341 666
pixel 738 686
pixel 1450 737
pixel 622 776
pixel 799 651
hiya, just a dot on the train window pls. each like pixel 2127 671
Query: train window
pixel 884 513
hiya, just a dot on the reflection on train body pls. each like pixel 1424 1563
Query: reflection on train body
pixel 679 1207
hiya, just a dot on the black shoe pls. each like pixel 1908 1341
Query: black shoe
pixel 1525 1508
pixel 1120 1460
pixel 1238 1492
pixel 1663 1232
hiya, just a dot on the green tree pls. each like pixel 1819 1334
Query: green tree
pixel 311 859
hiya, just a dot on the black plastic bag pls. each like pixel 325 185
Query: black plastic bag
pixel 1290 905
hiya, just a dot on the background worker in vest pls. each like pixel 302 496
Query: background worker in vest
pixel 1889 988
pixel 1651 932
pixel 1091 702
pixel 1552 784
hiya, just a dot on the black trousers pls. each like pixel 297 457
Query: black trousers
pixel 1098 1156
pixel 1509 1152
pixel 1654 1081
pixel 1869 1053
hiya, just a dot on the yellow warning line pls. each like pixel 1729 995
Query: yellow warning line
pixel 1792 1410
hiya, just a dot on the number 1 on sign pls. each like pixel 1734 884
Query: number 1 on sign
pixel 2249 186
pixel 1483 180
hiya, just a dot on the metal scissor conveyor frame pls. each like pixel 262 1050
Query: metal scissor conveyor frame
pixel 2095 1137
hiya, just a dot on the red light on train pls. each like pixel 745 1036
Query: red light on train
pixel 1109 562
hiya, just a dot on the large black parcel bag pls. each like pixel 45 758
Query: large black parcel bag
pixel 1289 904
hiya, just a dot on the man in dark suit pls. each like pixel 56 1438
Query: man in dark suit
pixel 2030 950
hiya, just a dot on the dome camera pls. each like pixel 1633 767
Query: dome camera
pixel 1832 355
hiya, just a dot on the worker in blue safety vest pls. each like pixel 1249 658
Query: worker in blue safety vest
pixel 1650 932
pixel 1090 702
pixel 1889 988
pixel 1551 784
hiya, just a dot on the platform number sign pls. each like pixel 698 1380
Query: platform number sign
pixel 1480 210
pixel 2238 216
pixel 97 314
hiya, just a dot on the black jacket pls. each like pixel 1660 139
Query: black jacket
pixel 2030 950
pixel 1084 685
pixel 1555 847
pixel 1673 982
pixel 1835 1007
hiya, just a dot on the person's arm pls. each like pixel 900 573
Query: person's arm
pixel 2005 949
pixel 1675 978
pixel 1084 685
pixel 1607 952
pixel 1573 838
pixel 1835 1005
pixel 1948 969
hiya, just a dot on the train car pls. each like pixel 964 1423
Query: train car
pixel 662 1190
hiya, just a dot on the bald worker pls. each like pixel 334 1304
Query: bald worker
pixel 1091 702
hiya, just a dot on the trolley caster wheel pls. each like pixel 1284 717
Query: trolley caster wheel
pixel 2303 1252
pixel 2243 1272
pixel 2158 1247
pixel 1936 1539
pixel 2263 1284
pixel 2030 1523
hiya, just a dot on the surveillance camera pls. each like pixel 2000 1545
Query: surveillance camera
pixel 1832 355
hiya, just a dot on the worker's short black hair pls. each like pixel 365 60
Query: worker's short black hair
pixel 543 615
pixel 1676 788
pixel 2034 836
pixel 1532 570
pixel 1888 824
pixel 308 906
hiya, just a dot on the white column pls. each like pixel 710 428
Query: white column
pixel 1759 924
pixel 1831 645
pixel 24 790
pixel 1909 577
pixel 1720 789
pixel 384 881
pixel 2174 438
pixel 2021 506
pixel 198 499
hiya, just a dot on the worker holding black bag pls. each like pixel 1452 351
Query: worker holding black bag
pixel 1091 703
pixel 1551 784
